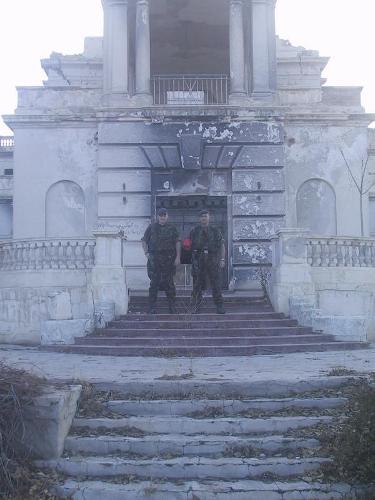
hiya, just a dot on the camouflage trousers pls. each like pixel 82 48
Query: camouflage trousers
pixel 161 270
pixel 205 267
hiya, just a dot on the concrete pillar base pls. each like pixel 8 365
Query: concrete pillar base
pixel 143 100
pixel 116 100
pixel 238 99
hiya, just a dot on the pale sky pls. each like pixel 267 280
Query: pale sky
pixel 31 29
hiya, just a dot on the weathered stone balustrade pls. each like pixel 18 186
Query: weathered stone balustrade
pixel 341 252
pixel 327 283
pixel 6 142
pixel 47 254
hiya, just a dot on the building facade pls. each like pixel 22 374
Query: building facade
pixel 186 105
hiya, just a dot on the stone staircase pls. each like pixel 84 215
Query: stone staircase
pixel 181 439
pixel 249 327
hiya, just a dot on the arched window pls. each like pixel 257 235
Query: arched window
pixel 316 207
pixel 65 210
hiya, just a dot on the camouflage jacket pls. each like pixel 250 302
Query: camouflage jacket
pixel 209 238
pixel 161 238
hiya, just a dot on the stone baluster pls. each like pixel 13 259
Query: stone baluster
pixel 310 252
pixel 86 255
pixel 78 255
pixel 362 253
pixel 325 253
pixel 355 253
pixel 143 53
pixel 340 253
pixel 237 52
pixel 314 253
pixel 368 255
pixel 332 253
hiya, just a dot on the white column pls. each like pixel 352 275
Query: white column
pixel 237 50
pixel 115 57
pixel 263 52
pixel 143 52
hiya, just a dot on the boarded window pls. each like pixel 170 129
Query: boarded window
pixel 65 211
pixel 6 218
pixel 316 208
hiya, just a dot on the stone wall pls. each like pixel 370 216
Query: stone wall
pixel 45 157
pixel 313 156
pixel 28 298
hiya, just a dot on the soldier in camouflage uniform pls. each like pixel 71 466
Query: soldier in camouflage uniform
pixel 162 247
pixel 208 260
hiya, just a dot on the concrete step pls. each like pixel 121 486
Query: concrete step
pixel 162 299
pixel 205 351
pixel 205 332
pixel 185 341
pixel 198 317
pixel 210 490
pixel 185 446
pixel 191 426
pixel 182 468
pixel 207 309
pixel 223 407
pixel 217 323
pixel 178 387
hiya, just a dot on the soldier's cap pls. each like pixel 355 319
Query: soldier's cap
pixel 204 212
pixel 162 211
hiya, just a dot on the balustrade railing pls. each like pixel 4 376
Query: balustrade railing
pixel 47 254
pixel 190 90
pixel 6 142
pixel 341 252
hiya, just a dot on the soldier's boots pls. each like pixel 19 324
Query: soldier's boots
pixel 196 307
pixel 172 308
pixel 220 309
pixel 152 309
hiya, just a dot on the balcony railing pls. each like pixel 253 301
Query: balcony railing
pixel 341 252
pixel 47 254
pixel 6 143
pixel 190 90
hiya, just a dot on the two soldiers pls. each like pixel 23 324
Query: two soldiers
pixel 162 247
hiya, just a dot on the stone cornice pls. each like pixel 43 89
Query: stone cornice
pixel 221 114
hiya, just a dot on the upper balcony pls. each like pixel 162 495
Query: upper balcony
pixel 190 90
pixel 6 144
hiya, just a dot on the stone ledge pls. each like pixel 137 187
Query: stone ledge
pixel 48 421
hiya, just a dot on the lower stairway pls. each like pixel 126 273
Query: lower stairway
pixel 249 327
pixel 181 439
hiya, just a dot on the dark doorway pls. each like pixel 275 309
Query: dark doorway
pixel 184 213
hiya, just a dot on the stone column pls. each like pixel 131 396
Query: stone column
pixel 237 51
pixel 143 53
pixel 108 274
pixel 263 48
pixel 115 56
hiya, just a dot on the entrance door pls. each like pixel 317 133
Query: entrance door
pixel 184 214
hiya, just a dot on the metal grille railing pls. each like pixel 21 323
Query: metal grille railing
pixel 190 90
